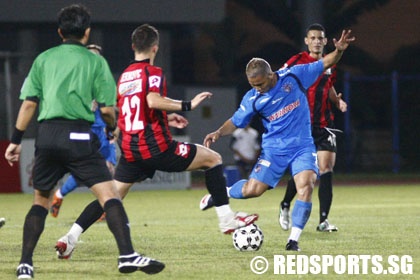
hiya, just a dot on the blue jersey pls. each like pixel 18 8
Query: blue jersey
pixel 283 109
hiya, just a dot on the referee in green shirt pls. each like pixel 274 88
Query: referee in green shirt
pixel 63 82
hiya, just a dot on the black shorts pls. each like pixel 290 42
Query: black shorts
pixel 176 158
pixel 325 139
pixel 64 146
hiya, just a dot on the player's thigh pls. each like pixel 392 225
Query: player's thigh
pixel 304 159
pixel 269 168
pixel 205 158
pixel 326 161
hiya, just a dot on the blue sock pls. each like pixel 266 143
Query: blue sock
pixel 236 190
pixel 300 214
pixel 68 186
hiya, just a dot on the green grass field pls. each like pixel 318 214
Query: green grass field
pixel 168 225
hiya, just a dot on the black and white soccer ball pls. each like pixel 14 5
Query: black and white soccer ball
pixel 249 238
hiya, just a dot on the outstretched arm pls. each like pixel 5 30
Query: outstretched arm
pixel 340 46
pixel 227 128
pixel 156 101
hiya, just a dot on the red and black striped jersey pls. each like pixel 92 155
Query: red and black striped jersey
pixel 318 96
pixel 144 131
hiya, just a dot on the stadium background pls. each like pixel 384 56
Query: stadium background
pixel 206 44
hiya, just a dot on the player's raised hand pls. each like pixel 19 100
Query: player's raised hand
pixel 199 98
pixel 344 41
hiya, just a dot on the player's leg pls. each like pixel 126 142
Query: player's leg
pixel 284 216
pixel 211 162
pixel 69 185
pixel 94 210
pixel 265 174
pixel 45 177
pixel 326 162
pixel 94 173
pixel 302 208
pixel 304 168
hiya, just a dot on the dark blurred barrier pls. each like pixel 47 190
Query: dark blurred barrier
pixel 381 127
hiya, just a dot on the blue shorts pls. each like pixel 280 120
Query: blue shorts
pixel 271 167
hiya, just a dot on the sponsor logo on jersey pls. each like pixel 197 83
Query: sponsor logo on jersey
pixel 280 113
pixel 130 88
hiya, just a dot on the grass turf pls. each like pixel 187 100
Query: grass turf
pixel 167 225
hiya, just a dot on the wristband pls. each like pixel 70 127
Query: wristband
pixel 17 136
pixel 186 105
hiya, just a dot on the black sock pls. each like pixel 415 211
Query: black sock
pixel 290 194
pixel 32 230
pixel 216 185
pixel 325 195
pixel 90 215
pixel 117 220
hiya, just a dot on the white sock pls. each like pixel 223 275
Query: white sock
pixel 58 194
pixel 295 234
pixel 223 210
pixel 75 232
pixel 227 190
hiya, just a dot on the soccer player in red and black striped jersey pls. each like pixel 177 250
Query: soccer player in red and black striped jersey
pixel 145 139
pixel 321 96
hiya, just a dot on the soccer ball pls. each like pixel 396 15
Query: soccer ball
pixel 249 238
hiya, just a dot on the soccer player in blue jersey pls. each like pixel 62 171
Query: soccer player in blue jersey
pixel 279 99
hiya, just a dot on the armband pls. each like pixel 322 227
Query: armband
pixel 186 105
pixel 17 136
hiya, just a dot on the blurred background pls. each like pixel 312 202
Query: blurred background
pixel 205 45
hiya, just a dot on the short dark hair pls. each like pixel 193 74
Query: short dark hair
pixel 257 67
pixel 73 21
pixel 315 26
pixel 144 37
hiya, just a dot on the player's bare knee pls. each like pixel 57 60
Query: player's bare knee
pixel 304 193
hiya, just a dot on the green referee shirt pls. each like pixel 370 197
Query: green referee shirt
pixel 66 79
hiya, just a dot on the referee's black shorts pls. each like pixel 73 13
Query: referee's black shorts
pixel 64 146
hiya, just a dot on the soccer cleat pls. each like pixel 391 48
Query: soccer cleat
pixel 102 218
pixel 206 202
pixel 292 245
pixel 135 261
pixel 64 247
pixel 239 219
pixel 25 271
pixel 2 222
pixel 55 206
pixel 325 226
pixel 284 218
